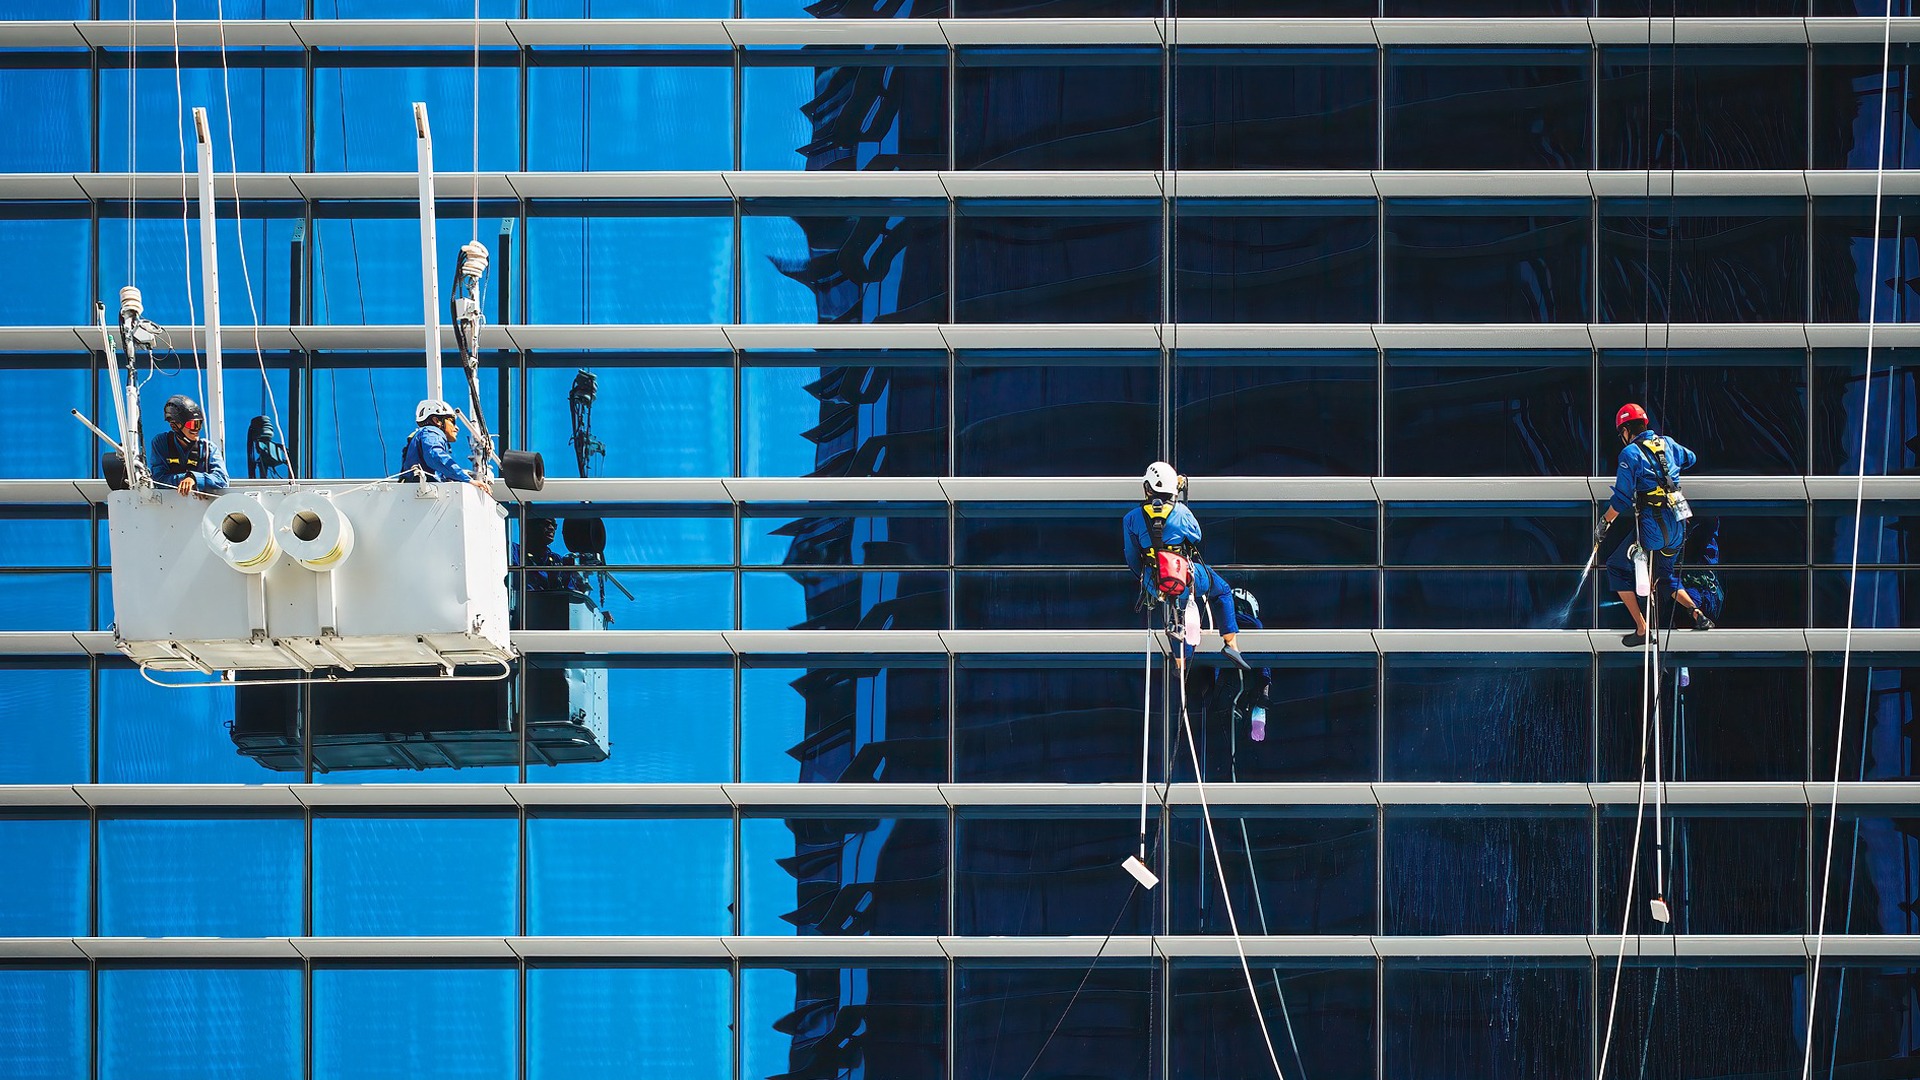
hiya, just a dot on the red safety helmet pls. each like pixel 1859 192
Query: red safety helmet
pixel 1627 412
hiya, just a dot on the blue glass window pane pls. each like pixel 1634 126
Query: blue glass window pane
pixel 1286 873
pixel 1259 108
pixel 1867 1009
pixel 1764 1001
pixel 862 416
pixel 1069 263
pixel 629 111
pixel 1046 600
pixel 366 259
pixel 1488 414
pixel 1711 108
pixel 362 120
pixel 1468 871
pixel 172 1024
pixel 1515 718
pixel 1453 108
pixel 412 9
pixel 44 1029
pixel 1492 8
pixel 634 9
pixel 652 420
pixel 843 600
pixel 202 877
pixel 1050 724
pixel 48 94
pixel 1036 534
pixel 51 900
pixel 49 9
pixel 829 724
pixel 1026 108
pixel 45 601
pixel 1841 407
pixel 1005 1019
pixel 1321 1019
pixel 870 264
pixel 58 749
pixel 1742 413
pixel 213 9
pixel 1049 876
pixel 50 289
pixel 268 129
pixel 792 1019
pixel 1021 419
pixel 891 534
pixel 381 876
pixel 1844 261
pixel 166 261
pixel 882 107
pixel 1496 261
pixel 664 725
pixel 820 876
pixel 665 600
pixel 616 1023
pixel 604 875
pixel 1779 597
pixel 642 535
pixel 1878 741
pixel 1848 106
pixel 46 446
pixel 1321 721
pixel 1504 534
pixel 1483 599
pixel 1227 403
pixel 583 269
pixel 1452 1020
pixel 1304 261
pixel 1873 872
pixel 1729 871
pixel 411 1024
pixel 151 735
pixel 363 410
pixel 1703 260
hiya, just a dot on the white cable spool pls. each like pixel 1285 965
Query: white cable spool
pixel 314 531
pixel 240 530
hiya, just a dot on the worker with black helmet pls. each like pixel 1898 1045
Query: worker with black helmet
pixel 428 453
pixel 1647 486
pixel 182 459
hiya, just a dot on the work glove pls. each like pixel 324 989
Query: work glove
pixel 1600 531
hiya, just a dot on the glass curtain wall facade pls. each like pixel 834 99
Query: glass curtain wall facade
pixel 884 306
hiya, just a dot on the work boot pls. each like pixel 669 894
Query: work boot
pixel 1633 640
pixel 1701 621
pixel 1233 654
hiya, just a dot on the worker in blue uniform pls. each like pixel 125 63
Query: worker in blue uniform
pixel 1161 541
pixel 181 458
pixel 1647 485
pixel 546 568
pixel 428 453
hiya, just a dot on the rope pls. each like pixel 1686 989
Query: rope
pixel 239 232
pixel 1853 570
pixel 475 160
pixel 1633 862
pixel 1104 942
pixel 1260 905
pixel 133 79
pixel 186 236
pixel 1146 733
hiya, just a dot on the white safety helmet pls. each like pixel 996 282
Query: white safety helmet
pixel 1161 481
pixel 430 408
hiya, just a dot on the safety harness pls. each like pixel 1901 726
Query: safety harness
pixel 1665 493
pixel 192 458
pixel 1169 566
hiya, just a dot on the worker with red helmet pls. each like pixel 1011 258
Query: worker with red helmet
pixel 1647 485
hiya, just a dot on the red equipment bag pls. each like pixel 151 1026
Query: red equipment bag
pixel 1171 573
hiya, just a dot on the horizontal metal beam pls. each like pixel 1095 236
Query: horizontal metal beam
pixel 769 950
pixel 748 33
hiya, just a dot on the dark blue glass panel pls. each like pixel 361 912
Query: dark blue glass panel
pixel 1050 875
pixel 1766 533
pixel 1703 260
pixel 45 601
pixel 1047 600
pixel 413 9
pixel 1755 598
pixel 166 261
pixel 1308 599
pixel 202 877
pixel 1846 264
pixel 1066 263
pixel 383 876
pixel 48 442
pixel 1764 1002
pixel 819 107
pixel 1454 1021
pixel 1728 871
pixel 48 93
pixel 1767 693
pixel 852 415
pixel 1259 108
pixel 50 900
pixel 1035 534
pixel 1877 736
pixel 44 1030
pixel 1321 1020
pixel 651 419
pixel 820 876
pixel 1873 876
pixel 53 287
pixel 843 263
pixel 1500 534
pixel 1488 414
pixel 1484 599
pixel 1460 870
pixel 884 1021
pixel 362 120
pixel 843 600
pixel 1743 412
pixel 415 1024
pixel 1487 260
pixel 1260 8
pixel 1039 724
pixel 614 1023
pixel 1304 261
pixel 637 111
pixel 830 724
pixel 1848 106
pixel 1304 534
pixel 212 9
pixel 635 9
pixel 1321 721
pixel 580 269
pixel 171 1024
pixel 1053 1021
pixel 1455 108
pixel 1229 402
pixel 1881 598
pixel 1306 874
pixel 1065 420
pixel 366 259
pixel 1508 718
pixel 879 534
pixel 1839 400
pixel 1112 9
pixel 642 535
pixel 1028 108
pixel 255 101
pixel 151 735
pixel 1865 1015
pixel 1708 107
pixel 663 724
pixel 603 875
pixel 56 750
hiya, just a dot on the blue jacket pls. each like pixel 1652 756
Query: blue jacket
pixel 173 459
pixel 1182 528
pixel 428 448
pixel 1659 529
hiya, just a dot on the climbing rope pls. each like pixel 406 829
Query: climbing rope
pixel 239 230
pixel 1648 674
pixel 186 235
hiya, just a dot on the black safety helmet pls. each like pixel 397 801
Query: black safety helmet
pixel 180 408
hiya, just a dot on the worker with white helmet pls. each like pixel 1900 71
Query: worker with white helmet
pixel 428 453
pixel 1162 545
